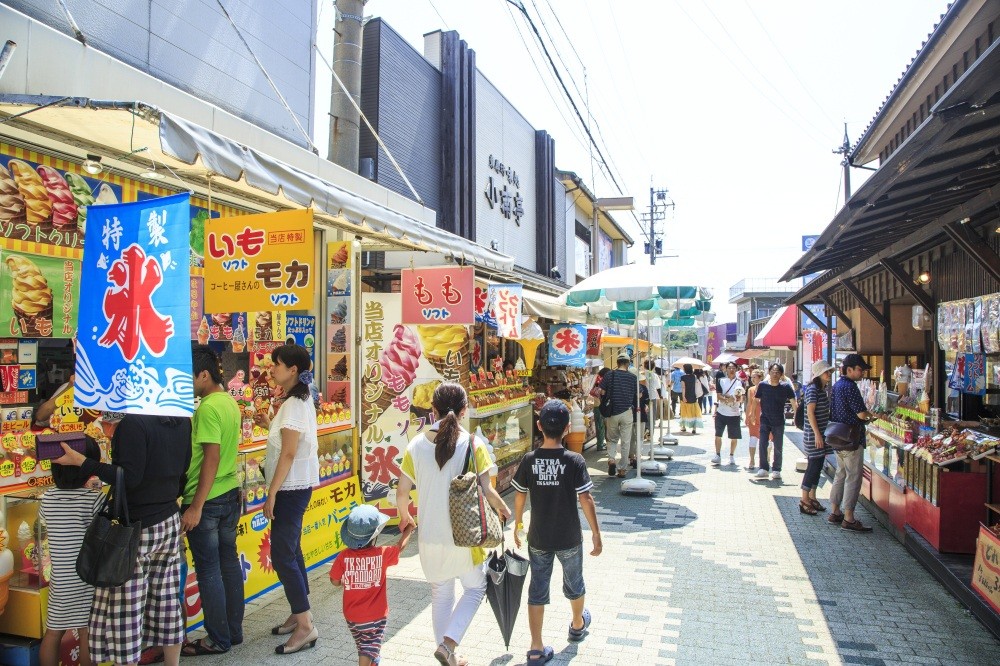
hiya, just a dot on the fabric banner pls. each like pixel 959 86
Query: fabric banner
pixel 715 341
pixel 260 262
pixel 444 295
pixel 133 352
pixel 568 345
pixel 483 313
pixel 39 295
pixel 594 335
pixel 504 301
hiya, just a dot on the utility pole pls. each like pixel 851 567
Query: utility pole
pixel 657 211
pixel 844 150
pixel 345 130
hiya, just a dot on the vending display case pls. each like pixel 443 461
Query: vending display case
pixel 509 433
pixel 26 541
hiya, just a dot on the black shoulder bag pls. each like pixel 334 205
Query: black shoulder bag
pixel 110 546
pixel 605 406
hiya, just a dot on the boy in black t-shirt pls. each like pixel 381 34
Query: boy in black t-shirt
pixel 556 479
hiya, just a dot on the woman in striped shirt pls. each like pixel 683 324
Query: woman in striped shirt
pixel 817 418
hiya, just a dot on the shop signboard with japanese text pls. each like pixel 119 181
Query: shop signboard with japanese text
pixel 259 262
pixel 505 301
pixel 401 366
pixel 568 345
pixel 133 350
pixel 714 341
pixel 39 295
pixel 328 508
pixel 443 295
pixel 986 567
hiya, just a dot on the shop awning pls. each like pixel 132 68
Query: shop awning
pixel 780 329
pixel 193 145
pixel 538 304
pixel 945 171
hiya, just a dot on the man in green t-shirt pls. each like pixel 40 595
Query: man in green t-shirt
pixel 211 507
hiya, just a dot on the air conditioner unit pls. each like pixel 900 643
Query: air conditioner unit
pixel 921 318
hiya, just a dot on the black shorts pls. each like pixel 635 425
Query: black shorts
pixel 723 422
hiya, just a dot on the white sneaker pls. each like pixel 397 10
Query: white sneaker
pixel 732 461
pixel 775 476
pixel 716 459
pixel 761 474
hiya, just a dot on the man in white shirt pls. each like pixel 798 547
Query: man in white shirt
pixel 653 386
pixel 729 395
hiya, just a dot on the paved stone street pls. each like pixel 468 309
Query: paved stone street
pixel 715 569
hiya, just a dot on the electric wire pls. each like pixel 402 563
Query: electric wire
pixel 761 74
pixel 787 63
pixel 576 109
pixel 571 126
pixel 434 7
pixel 748 79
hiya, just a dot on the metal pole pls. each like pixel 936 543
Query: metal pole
pixel 345 129
pixel 594 227
pixel 6 53
pixel 652 228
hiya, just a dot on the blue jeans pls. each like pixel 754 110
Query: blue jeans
pixel 220 578
pixel 286 546
pixel 778 430
pixel 541 561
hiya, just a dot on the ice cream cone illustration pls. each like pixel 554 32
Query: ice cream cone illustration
pixel 529 347
pixel 262 326
pixel 38 207
pixel 64 211
pixel 340 283
pixel 11 202
pixel 31 297
pixel 339 258
pixel 338 343
pixel 239 340
pixel 446 346
pixel 339 371
pixel 399 362
pixel 203 332
pixel 105 195
pixel 83 196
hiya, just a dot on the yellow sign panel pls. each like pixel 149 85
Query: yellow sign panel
pixel 259 262
pixel 327 509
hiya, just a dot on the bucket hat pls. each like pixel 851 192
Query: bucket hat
pixel 819 367
pixel 362 525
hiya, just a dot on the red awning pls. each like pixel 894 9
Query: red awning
pixel 780 329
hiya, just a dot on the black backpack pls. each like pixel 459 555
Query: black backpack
pixel 800 415
pixel 605 406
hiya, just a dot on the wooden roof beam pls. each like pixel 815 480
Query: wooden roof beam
pixel 841 316
pixel 865 303
pixel 816 320
pixel 909 284
pixel 977 248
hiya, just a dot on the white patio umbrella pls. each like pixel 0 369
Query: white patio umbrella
pixel 629 294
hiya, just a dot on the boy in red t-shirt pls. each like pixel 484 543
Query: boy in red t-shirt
pixel 361 570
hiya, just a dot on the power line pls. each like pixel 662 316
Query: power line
pixel 565 34
pixel 788 64
pixel 443 22
pixel 571 126
pixel 750 61
pixel 748 79
pixel 562 84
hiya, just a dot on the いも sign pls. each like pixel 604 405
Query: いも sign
pixel 259 262
pixel 438 295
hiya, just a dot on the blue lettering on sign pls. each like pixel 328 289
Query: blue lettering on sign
pixel 441 314
pixel 284 299
pixel 234 264
pixel 258 522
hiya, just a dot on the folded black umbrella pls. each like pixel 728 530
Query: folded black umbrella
pixel 505 574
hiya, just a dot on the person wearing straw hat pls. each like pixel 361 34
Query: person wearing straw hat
pixel 817 405
pixel 361 569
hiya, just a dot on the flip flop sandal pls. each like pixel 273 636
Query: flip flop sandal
pixel 541 656
pixel 199 648
pixel 151 655
pixel 577 635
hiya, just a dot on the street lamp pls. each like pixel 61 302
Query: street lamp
pixel 606 204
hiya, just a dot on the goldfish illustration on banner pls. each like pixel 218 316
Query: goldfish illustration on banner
pixel 133 352
pixel 568 345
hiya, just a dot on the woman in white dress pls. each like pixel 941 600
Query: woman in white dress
pixel 431 461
